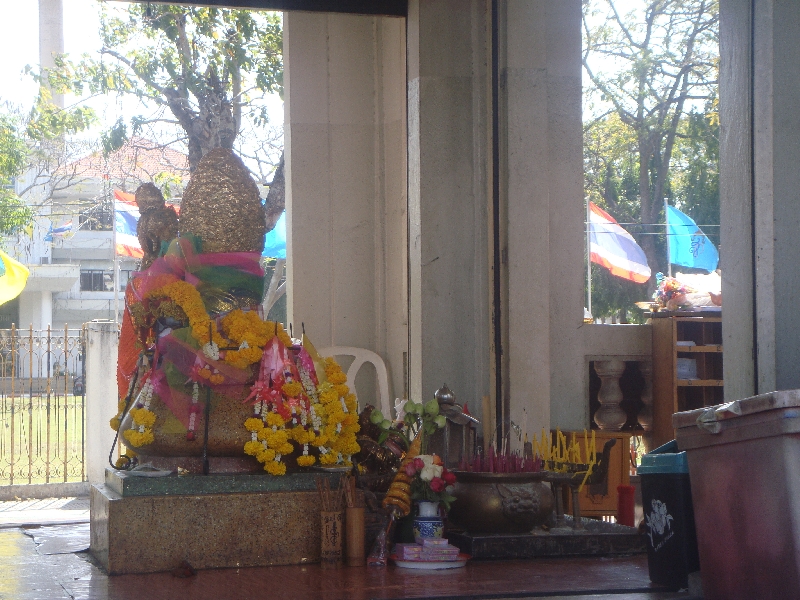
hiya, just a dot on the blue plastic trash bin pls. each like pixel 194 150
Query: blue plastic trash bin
pixel 669 516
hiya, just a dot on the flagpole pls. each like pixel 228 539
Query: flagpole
pixel 588 258
pixel 666 224
pixel 116 259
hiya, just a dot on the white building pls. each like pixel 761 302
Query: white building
pixel 72 272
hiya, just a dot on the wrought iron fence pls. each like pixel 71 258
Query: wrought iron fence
pixel 42 405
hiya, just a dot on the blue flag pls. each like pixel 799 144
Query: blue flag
pixel 275 240
pixel 688 245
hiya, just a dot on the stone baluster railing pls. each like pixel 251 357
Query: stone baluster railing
pixel 610 416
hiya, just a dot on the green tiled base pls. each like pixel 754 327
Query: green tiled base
pixel 136 533
pixel 128 485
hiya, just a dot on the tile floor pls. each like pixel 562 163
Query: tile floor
pixel 49 560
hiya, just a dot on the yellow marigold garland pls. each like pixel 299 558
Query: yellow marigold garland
pixel 142 418
pixel 329 424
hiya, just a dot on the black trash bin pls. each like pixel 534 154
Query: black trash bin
pixel 669 517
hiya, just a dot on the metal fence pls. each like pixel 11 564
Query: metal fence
pixel 42 405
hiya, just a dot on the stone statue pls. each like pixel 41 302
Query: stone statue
pixel 158 222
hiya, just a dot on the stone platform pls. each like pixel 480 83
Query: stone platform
pixel 151 524
pixel 597 538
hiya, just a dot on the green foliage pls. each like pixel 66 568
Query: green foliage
pixel 207 66
pixel 13 151
pixel 47 121
pixel 695 178
pixel 168 183
pixel 116 136
pixel 14 213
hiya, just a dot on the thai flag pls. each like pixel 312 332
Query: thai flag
pixel 58 231
pixel 614 248
pixel 126 218
pixel 65 228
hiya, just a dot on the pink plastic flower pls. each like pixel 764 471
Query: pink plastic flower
pixel 438 484
pixel 449 478
pixel 411 470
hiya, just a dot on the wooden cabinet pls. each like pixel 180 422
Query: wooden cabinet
pixel 600 500
pixel 687 366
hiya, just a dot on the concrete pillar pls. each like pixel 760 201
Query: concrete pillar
pixel 542 156
pixel 736 208
pixel 101 396
pixel 29 310
pixel 759 208
pixel 46 315
pixel 51 36
pixel 346 185
pixel 449 162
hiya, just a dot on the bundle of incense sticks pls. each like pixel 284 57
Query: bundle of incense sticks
pixel 502 462
pixel 330 500
pixel 354 498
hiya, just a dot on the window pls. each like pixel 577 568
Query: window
pixel 124 278
pixel 97 281
pixel 98 218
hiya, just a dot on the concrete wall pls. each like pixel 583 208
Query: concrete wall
pixel 759 208
pixel 101 397
pixel 346 229
pixel 449 154
pixel 542 150
pixel 736 197
pixel 346 185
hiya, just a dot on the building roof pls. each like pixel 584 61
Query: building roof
pixel 139 159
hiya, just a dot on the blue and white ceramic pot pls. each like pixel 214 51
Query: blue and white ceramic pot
pixel 428 523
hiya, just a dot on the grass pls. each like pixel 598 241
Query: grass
pixel 41 439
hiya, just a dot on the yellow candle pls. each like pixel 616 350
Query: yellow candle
pixel 586 444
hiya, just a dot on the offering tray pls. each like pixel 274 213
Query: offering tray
pixel 431 564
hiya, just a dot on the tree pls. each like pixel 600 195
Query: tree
pixel 205 70
pixel 647 68
pixel 14 213
pixel 35 145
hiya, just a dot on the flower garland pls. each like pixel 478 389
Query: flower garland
pixel 186 296
pixel 292 409
pixel 245 329
pixel 250 333
pixel 269 439
pixel 193 410
pixel 340 408
pixel 142 418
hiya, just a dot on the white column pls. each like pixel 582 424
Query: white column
pixel 449 161
pixel 759 180
pixel 346 185
pixel 542 153
pixel 46 314
pixel 101 396
pixel 51 36
pixel 610 416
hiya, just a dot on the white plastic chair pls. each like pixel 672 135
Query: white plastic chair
pixel 361 356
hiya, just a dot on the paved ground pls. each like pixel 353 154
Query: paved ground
pixel 43 556
pixel 46 511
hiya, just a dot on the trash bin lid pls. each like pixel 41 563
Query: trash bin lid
pixel 664 459
pixel 768 415
pixel 738 408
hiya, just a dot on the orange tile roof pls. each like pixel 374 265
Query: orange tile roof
pixel 139 158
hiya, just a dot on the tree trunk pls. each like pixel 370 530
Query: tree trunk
pixel 276 198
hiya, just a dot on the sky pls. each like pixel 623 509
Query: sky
pixel 19 42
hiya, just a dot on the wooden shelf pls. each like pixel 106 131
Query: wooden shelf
pixel 671 394
pixel 710 348
pixel 699 382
